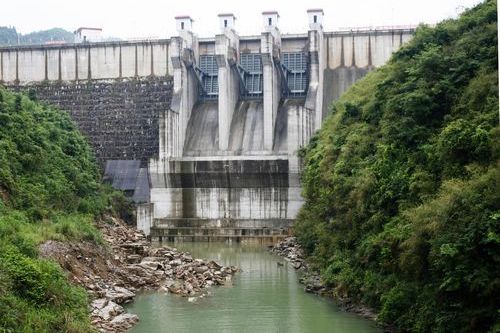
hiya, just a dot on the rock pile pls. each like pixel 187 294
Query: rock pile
pixel 293 253
pixel 112 273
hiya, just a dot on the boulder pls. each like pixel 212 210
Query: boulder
pixel 213 265
pixel 125 320
pixel 99 303
pixel 201 269
pixel 109 311
pixel 175 262
pixel 134 258
pixel 119 295
pixel 152 265
pixel 187 257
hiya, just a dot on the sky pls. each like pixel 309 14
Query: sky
pixel 155 19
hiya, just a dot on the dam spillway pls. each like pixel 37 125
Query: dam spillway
pixel 242 107
pixel 246 131
pixel 234 173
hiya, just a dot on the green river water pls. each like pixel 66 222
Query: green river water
pixel 264 297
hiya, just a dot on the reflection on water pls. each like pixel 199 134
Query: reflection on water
pixel 265 297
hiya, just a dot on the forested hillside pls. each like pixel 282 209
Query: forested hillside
pixel 49 189
pixel 9 36
pixel 401 183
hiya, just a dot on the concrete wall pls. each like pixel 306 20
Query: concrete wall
pixel 144 212
pixel 364 48
pixel 292 43
pixel 217 203
pixel 352 54
pixel 124 59
pixel 71 62
pixel 224 189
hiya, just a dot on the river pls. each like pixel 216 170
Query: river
pixel 264 297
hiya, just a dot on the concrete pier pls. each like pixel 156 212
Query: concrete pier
pixel 270 52
pixel 317 52
pixel 183 54
pixel 227 51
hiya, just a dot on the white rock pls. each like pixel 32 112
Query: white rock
pixel 110 310
pixel 125 319
pixel 99 303
pixel 119 295
pixel 152 265
pixel 175 262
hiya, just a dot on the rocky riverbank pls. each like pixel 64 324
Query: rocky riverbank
pixel 291 251
pixel 113 272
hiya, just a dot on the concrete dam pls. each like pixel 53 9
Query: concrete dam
pixel 204 133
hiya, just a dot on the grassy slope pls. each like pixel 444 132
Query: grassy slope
pixel 401 183
pixel 49 189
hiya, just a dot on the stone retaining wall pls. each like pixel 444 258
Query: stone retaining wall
pixel 118 116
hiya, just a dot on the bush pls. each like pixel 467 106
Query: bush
pixel 36 297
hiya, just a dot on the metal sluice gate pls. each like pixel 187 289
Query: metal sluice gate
pixel 293 70
pixel 251 75
pixel 208 73
pixel 295 73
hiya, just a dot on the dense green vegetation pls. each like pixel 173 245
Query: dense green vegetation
pixel 49 189
pixel 401 183
pixel 9 36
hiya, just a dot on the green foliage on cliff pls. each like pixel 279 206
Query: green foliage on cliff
pixel 401 184
pixel 9 36
pixel 49 189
